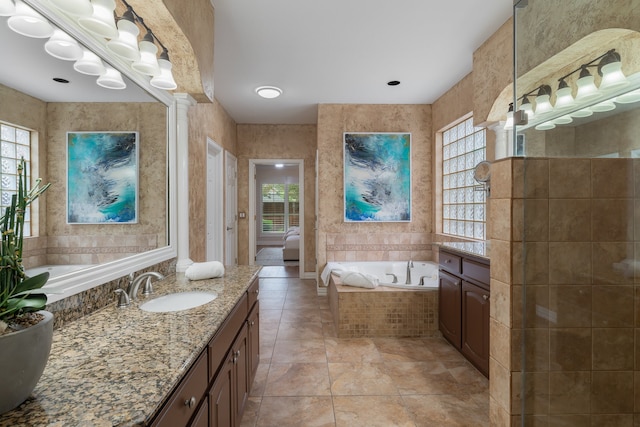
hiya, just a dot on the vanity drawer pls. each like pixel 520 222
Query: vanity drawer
pixel 185 400
pixel 253 292
pixel 220 344
pixel 476 271
pixel 450 262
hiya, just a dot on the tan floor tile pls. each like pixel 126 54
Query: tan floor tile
pixel 427 378
pixel 296 412
pixel 351 350
pixel 260 381
pixel 360 379
pixel 403 349
pixel 275 303
pixel 301 304
pixel 251 411
pixel 299 330
pixel 301 351
pixel 448 411
pixel 301 316
pixel 273 285
pixel 371 411
pixel 270 316
pixel 329 330
pixel 298 379
pixel 326 316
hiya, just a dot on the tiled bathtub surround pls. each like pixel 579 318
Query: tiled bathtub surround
pixel 383 311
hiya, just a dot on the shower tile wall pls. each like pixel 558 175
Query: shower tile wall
pixel 577 269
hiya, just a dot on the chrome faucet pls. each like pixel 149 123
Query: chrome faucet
pixel 409 267
pixel 134 283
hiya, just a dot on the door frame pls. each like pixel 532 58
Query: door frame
pixel 252 205
pixel 229 200
pixel 215 213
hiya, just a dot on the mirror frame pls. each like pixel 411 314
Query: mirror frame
pixel 81 280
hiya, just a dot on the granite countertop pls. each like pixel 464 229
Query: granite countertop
pixel 478 249
pixel 115 367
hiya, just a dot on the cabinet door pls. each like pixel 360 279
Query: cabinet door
pixel 254 341
pixel 449 293
pixel 202 416
pixel 221 410
pixel 475 326
pixel 240 351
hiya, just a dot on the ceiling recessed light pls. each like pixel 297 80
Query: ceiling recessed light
pixel 279 165
pixel 393 83
pixel 60 80
pixel 269 92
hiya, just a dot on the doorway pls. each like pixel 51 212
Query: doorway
pixel 276 212
pixel 231 208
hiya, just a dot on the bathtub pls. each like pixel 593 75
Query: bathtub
pixel 385 271
pixel 55 270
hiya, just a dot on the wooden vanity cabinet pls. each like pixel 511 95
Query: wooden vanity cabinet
pixel 463 299
pixel 216 389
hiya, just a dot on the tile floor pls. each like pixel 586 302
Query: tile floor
pixel 308 377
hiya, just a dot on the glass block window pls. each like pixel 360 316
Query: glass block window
pixel 463 205
pixel 15 143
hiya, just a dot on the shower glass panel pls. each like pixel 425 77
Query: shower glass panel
pixel 577 99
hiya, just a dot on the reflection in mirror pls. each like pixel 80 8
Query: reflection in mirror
pixel 44 98
pixel 581 97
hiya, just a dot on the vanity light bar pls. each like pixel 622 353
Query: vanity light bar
pixel 546 116
pixel 98 18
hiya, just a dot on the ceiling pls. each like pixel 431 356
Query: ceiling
pixel 343 51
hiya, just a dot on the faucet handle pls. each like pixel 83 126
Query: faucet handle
pixel 422 280
pixel 395 278
pixel 123 298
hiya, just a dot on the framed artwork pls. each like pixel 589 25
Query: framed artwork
pixel 377 177
pixel 102 177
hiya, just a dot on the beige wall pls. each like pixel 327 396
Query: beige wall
pixel 277 142
pixel 340 241
pixel 206 120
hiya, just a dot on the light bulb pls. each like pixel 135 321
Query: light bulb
pixel 111 79
pixel 63 46
pixel 101 22
pixel 89 64
pixel 28 22
pixel 126 44
pixel 586 87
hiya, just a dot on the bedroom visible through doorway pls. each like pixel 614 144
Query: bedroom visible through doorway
pixel 278 211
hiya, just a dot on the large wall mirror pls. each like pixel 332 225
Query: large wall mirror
pixel 46 99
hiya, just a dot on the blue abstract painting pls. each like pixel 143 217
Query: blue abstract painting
pixel 102 177
pixel 377 177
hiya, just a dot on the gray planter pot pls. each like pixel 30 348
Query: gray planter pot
pixel 23 356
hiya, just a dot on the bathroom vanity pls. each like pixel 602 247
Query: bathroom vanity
pixel 130 367
pixel 464 300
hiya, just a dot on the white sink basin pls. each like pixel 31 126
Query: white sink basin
pixel 178 301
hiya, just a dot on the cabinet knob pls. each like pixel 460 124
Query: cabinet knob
pixel 190 402
pixel 485 297
pixel 253 322
pixel 257 291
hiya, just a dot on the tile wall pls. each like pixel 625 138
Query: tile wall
pixel 564 240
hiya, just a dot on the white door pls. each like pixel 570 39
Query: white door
pixel 215 194
pixel 231 208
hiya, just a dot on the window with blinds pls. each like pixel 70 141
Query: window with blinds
pixel 463 208
pixel 280 207
pixel 15 143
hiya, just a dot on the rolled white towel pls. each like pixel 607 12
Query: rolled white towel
pixel 353 278
pixel 204 270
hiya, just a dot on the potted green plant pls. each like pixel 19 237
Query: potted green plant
pixel 26 330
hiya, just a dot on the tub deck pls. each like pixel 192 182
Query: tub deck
pixel 382 311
